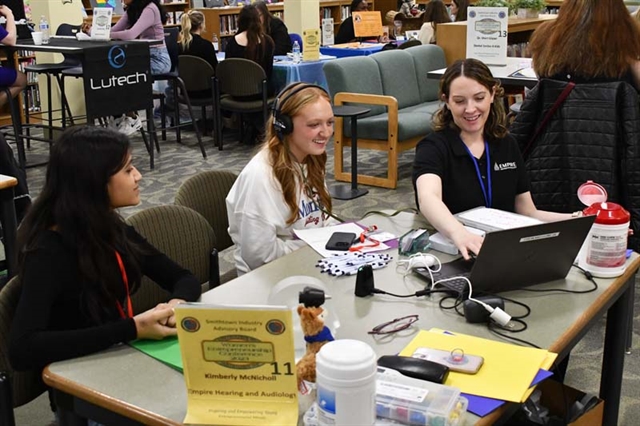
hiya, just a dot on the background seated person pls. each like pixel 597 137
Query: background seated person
pixel 283 187
pixel 346 32
pixel 191 42
pixel 79 262
pixel 435 13
pixel 251 42
pixel 470 160
pixel 589 42
pixel 276 29
pixel 14 80
pixel 459 10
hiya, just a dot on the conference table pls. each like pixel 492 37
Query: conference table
pixel 126 387
pixel 352 49
pixel 286 72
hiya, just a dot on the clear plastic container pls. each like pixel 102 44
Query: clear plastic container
pixel 407 401
pixel 418 402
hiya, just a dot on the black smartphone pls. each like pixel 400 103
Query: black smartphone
pixel 340 241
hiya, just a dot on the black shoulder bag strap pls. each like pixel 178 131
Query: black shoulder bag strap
pixel 568 88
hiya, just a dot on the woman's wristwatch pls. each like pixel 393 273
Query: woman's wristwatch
pixel 577 214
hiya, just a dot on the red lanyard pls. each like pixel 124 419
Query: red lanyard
pixel 364 237
pixel 129 313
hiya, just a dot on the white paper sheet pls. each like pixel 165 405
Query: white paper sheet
pixel 317 238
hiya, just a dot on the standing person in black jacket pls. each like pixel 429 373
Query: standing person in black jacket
pixel 79 262
pixel 276 29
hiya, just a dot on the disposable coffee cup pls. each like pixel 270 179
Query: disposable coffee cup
pixel 37 37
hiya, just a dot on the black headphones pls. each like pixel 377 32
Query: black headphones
pixel 282 123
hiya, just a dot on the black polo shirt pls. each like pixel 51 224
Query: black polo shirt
pixel 444 154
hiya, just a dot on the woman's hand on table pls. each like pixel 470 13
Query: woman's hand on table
pixel 467 242
pixel 152 324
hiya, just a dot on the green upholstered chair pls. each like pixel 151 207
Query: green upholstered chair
pixel 185 237
pixel 16 387
pixel 402 99
pixel 206 193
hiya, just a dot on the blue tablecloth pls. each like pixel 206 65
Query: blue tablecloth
pixel 286 72
pixel 341 52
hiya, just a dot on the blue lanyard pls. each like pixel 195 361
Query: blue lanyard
pixel 488 196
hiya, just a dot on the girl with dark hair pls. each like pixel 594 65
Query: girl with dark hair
pixel 283 187
pixel 346 32
pixel 591 41
pixel 435 13
pixel 275 28
pixel 79 262
pixel 470 160
pixel 459 10
pixel 143 19
pixel 251 41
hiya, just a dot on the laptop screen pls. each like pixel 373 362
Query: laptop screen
pixel 116 5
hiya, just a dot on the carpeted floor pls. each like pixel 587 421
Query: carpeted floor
pixel 177 162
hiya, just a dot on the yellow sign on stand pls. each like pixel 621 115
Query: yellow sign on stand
pixel 367 24
pixel 239 364
pixel 311 45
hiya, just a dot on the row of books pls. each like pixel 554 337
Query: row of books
pixel 518 50
pixel 32 98
pixel 174 18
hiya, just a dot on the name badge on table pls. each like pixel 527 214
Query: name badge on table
pixel 101 26
pixel 487 30
pixel 239 364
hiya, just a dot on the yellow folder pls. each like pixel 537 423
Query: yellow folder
pixel 507 371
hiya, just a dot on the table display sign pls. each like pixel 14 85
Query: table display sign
pixel 487 29
pixel 117 79
pixel 327 32
pixel 311 45
pixel 101 25
pixel 367 24
pixel 239 364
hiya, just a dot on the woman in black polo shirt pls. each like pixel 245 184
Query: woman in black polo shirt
pixel 470 160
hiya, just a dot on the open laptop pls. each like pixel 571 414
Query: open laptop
pixel 519 257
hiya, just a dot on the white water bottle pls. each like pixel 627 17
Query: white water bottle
pixel 214 40
pixel 44 29
pixel 296 52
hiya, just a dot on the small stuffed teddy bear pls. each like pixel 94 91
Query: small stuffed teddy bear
pixel 316 334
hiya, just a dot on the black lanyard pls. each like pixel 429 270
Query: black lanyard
pixel 488 196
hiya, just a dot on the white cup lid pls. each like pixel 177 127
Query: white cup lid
pixel 346 359
pixel 591 192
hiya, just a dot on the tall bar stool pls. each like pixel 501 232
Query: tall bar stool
pixel 16 121
pixel 56 69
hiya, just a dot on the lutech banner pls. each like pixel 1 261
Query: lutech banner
pixel 117 79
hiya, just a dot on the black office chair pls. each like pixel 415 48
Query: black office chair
pixel 242 85
pixel 196 76
pixel 171 41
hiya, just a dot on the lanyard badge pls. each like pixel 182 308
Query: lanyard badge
pixel 486 191
pixel 125 279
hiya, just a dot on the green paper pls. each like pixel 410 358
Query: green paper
pixel 166 351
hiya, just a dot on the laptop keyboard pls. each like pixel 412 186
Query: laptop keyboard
pixel 459 285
